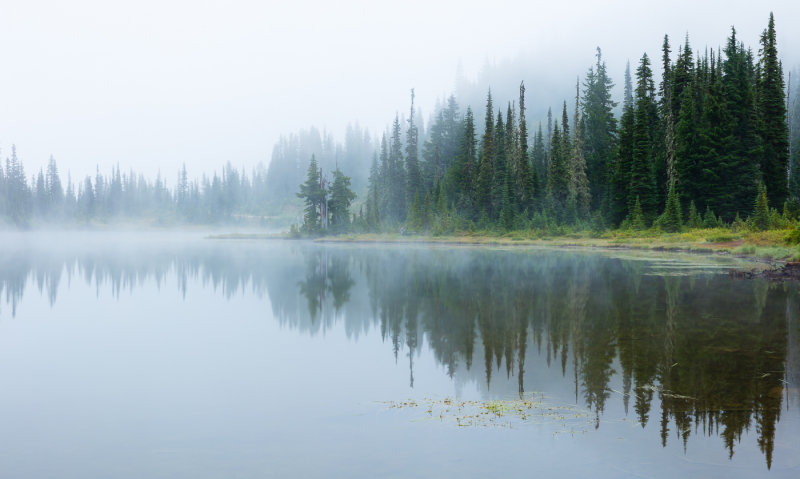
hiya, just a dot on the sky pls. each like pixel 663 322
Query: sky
pixel 150 85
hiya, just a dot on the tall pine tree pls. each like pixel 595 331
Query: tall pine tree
pixel 599 132
pixel 772 112
pixel 642 182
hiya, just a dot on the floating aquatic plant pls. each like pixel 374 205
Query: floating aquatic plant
pixel 527 410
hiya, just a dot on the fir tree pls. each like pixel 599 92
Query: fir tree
pixel 312 192
pixel 483 193
pixel 558 178
pixel 55 191
pixel 670 220
pixel 761 220
pixel 462 177
pixel 638 221
pixel 624 160
pixel 579 189
pixel 695 221
pixel 772 110
pixel 686 145
pixel 413 173
pixel 384 173
pixel 710 219
pixel 373 210
pixel 706 185
pixel 599 132
pixel 18 195
pixel 538 169
pixel 499 188
pixel 642 183
pixel 741 150
pixel 339 204
pixel 396 181
pixel 525 181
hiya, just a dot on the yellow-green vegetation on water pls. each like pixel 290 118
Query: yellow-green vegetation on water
pixel 771 244
pixel 527 410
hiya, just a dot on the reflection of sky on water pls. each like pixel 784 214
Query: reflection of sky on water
pixel 156 355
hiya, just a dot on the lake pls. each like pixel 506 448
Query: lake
pixel 171 355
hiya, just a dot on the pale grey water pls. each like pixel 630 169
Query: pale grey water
pixel 158 355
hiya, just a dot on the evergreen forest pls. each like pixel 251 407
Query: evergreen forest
pixel 714 141
pixel 707 145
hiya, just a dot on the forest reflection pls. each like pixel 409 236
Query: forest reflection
pixel 696 352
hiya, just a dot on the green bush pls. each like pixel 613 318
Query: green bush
pixel 793 237
pixel 721 238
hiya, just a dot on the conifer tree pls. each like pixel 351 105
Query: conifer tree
pixel 738 161
pixel 638 221
pixel 549 143
pixel 642 183
pixel 624 161
pixel 40 194
pixel 18 195
pixel 373 209
pixel 396 181
pixel 384 205
pixel 686 145
pixel 538 168
pixel 695 221
pixel 772 110
pixel 664 134
pixel 670 220
pixel 665 87
pixel 55 190
pixel 463 175
pixel 312 192
pixel 413 173
pixel 525 184
pixel 558 179
pixel 599 132
pixel 579 187
pixel 682 77
pixel 499 188
pixel 761 220
pixel 483 194
pixel 710 219
pixel 339 204
pixel 706 186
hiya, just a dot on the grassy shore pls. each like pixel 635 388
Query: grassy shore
pixel 771 245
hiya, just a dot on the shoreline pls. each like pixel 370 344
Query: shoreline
pixel 762 247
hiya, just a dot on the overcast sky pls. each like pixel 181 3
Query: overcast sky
pixel 153 84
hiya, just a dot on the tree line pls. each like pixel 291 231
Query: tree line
pixel 702 147
pixel 47 199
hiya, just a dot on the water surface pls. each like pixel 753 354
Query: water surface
pixel 176 356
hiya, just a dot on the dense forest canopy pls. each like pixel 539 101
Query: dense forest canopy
pixel 696 146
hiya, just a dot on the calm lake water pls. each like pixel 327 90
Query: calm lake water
pixel 156 355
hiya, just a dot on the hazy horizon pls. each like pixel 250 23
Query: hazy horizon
pixel 153 85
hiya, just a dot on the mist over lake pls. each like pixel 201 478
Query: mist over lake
pixel 160 355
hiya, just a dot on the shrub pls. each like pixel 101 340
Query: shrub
pixel 710 220
pixel 637 217
pixel 695 221
pixel 761 214
pixel 793 237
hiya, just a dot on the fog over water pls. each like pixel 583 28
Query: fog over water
pixel 153 84
pixel 164 355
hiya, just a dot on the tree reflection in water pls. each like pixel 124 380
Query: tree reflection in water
pixel 718 354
